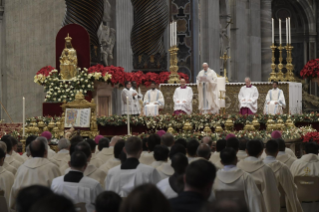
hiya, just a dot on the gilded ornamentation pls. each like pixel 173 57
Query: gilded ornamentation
pixel 229 125
pixel 207 130
pixel 270 125
pixel 249 126
pixel 256 124
pixel 273 75
pixel 289 123
pixel 170 129
pixel 187 127
pixel 218 128
pixel 173 77
pixel 68 61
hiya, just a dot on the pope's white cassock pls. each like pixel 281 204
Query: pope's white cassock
pixel 166 188
pixel 127 101
pixel 265 177
pixel 183 97
pixel 123 181
pixel 35 171
pixel 136 109
pixel 286 181
pixel 274 96
pixel 232 178
pixel 153 101
pixel 6 182
pixel 208 94
pixel 247 93
pixel 84 190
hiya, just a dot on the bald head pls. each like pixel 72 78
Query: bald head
pixel 38 148
pixel 203 151
pixel 205 66
pixel 114 140
pixel 207 140
pixel 247 81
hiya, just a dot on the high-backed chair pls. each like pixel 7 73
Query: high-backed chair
pixel 3 202
pixel 308 188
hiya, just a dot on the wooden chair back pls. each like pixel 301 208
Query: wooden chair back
pixel 307 188
pixel 80 207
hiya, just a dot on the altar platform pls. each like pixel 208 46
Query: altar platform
pixel 292 92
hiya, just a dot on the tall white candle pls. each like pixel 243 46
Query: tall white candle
pixel 128 117
pixel 273 31
pixel 175 33
pixel 23 118
pixel 287 32
pixel 171 34
pixel 280 32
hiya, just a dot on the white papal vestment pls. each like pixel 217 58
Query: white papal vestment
pixel 275 102
pixel 123 181
pixel 248 97
pixel 183 99
pixel 153 101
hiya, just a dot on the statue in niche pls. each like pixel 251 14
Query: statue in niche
pixel 106 36
pixel 68 61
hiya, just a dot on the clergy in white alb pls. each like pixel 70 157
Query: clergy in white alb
pixel 208 94
pixel 48 137
pixel 215 156
pixel 106 151
pixel 15 153
pixel 127 99
pixel 174 184
pixel 183 99
pixel 63 147
pixel 282 155
pixel 148 156
pixel 9 156
pixel 275 101
pixel 263 175
pixel 153 101
pixel 115 161
pixel 37 170
pixel 137 98
pixel 308 164
pixel 124 178
pixel 247 97
pixel 76 186
pixel 6 177
pixel 6 165
pixel 284 178
pixel 231 178
pixel 95 160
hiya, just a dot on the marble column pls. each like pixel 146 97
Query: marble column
pixel 209 34
pixel 1 50
pixel 266 15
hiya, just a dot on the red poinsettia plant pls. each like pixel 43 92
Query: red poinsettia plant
pixel 45 71
pixel 311 137
pixel 311 69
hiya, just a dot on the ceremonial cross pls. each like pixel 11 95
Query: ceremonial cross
pixel 225 58
pixel 307 171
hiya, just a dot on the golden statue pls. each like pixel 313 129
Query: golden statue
pixel 68 61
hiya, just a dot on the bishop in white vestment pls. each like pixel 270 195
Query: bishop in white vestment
pixel 183 97
pixel 247 97
pixel 153 101
pixel 275 101
pixel 127 99
pixel 208 94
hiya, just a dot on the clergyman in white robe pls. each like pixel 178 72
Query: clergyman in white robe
pixel 153 101
pixel 275 102
pixel 183 97
pixel 247 97
pixel 208 94
pixel 138 96
pixel 127 101
pixel 6 182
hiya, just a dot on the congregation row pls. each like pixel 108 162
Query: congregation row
pixel 157 173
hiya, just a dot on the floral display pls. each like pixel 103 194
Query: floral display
pixel 310 137
pixel 311 69
pixel 43 74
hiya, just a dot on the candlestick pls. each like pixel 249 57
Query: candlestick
pixel 280 32
pixel 280 75
pixel 273 31
pixel 287 32
pixel 23 118
pixel 128 116
pixel 273 76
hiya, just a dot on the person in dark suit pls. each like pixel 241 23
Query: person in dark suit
pixel 199 179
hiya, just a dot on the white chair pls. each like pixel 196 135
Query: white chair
pixel 308 188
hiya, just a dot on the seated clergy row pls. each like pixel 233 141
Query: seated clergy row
pixel 122 166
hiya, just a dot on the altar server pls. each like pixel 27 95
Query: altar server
pixel 183 97
pixel 275 100
pixel 124 178
pixel 6 178
pixel 173 185
pixel 6 165
pixel 63 146
pixel 247 97
pixel 115 161
pixel 127 99
pixel 9 157
pixel 232 178
pixel 208 94
pixel 283 156
pixel 153 101
pixel 75 185
pixel 283 176
pixel 137 98
pixel 262 175
pixel 308 164
pixel 37 170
